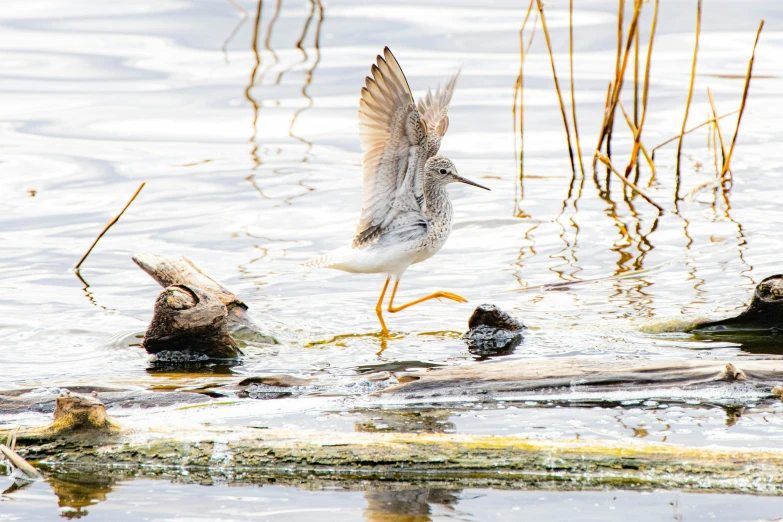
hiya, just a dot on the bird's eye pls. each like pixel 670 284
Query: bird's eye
pixel 443 171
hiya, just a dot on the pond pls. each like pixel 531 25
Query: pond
pixel 241 118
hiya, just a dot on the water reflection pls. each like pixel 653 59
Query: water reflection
pixel 407 505
pixel 248 90
pixel 243 19
pixel 78 491
pixel 405 421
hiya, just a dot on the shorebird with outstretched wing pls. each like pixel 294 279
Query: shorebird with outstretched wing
pixel 406 211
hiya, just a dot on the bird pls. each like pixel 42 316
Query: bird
pixel 406 212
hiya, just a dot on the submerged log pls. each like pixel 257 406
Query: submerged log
pixel 764 313
pixel 592 380
pixel 190 322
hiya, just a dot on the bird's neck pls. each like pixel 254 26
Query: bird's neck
pixel 438 203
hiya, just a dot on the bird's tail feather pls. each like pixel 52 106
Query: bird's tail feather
pixel 319 261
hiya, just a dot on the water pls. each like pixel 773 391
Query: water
pixel 252 165
pixel 162 501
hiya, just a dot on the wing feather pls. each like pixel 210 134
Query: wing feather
pixel 434 108
pixel 393 139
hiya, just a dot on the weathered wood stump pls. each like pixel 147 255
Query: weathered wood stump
pixel 191 322
pixel 76 416
pixel 196 318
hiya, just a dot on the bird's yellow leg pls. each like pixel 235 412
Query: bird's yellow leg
pixel 436 295
pixel 379 306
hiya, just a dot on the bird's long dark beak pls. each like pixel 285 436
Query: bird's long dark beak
pixel 468 182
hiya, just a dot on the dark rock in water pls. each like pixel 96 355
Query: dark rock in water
pixel 493 317
pixel 493 332
pixel 764 313
pixel 189 324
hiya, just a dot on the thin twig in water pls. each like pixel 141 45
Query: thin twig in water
pixel 628 182
pixel 108 226
pixel 697 127
pixel 573 97
pixel 557 84
pixel 690 88
pixel 744 99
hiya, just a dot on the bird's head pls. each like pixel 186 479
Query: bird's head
pixel 442 171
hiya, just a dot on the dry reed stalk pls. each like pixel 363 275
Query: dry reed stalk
pixel 618 83
pixel 626 181
pixel 715 148
pixel 108 226
pixel 717 127
pixel 19 462
pixel 744 99
pixel 637 142
pixel 697 127
pixel 636 132
pixel 519 90
pixel 690 88
pixel 636 72
pixel 620 17
pixel 557 84
pixel 573 96
pixel 519 84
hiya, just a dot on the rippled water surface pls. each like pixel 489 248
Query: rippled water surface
pixel 241 118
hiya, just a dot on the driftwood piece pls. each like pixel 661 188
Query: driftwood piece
pixel 168 272
pixel 590 379
pixel 765 311
pixel 189 320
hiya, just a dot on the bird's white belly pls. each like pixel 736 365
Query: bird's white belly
pixel 392 259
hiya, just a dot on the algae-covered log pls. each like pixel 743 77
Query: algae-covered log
pixel 244 456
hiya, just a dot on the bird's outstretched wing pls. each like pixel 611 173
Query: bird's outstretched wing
pixel 393 139
pixel 434 108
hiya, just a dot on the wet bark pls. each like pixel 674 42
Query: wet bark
pixel 169 271
pixel 589 380
pixel 192 322
pixel 196 318
pixel 764 313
